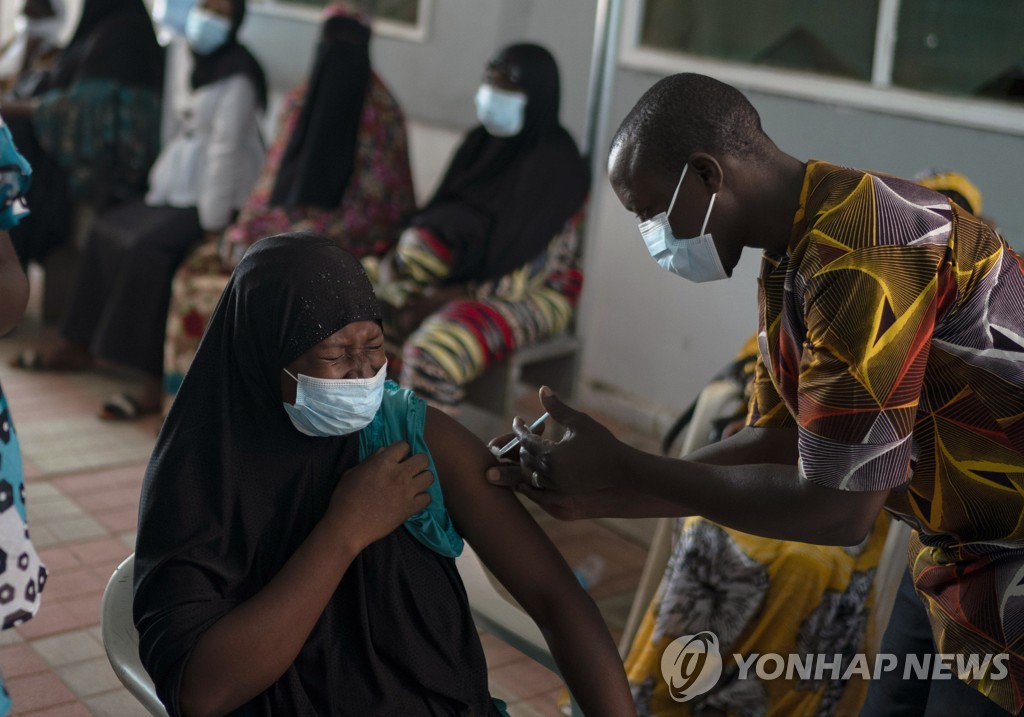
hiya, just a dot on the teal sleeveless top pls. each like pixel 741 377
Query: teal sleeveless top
pixel 401 418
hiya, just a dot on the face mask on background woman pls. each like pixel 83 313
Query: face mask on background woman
pixel 501 112
pixel 206 31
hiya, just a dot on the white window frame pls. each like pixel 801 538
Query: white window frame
pixel 876 96
pixel 381 27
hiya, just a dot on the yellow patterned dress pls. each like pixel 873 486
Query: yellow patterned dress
pixel 758 596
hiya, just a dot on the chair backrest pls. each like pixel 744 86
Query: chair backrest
pixel 121 639
pixel 891 567
pixel 497 612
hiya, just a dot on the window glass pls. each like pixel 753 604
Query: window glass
pixel 403 11
pixel 836 37
pixel 962 47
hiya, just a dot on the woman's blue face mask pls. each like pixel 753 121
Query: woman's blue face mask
pixel 501 112
pixel 206 31
pixel 327 407
pixel 173 14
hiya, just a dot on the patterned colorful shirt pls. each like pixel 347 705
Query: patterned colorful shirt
pixel 377 200
pixel 892 333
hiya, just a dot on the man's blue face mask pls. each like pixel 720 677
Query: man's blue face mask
pixel 695 259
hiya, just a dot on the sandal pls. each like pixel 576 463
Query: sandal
pixel 123 406
pixel 29 359
pixel 49 360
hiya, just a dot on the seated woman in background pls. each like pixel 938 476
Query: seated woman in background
pixel 91 129
pixel 119 307
pixel 300 518
pixel 490 264
pixel 339 166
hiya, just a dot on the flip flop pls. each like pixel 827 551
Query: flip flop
pixel 29 359
pixel 37 360
pixel 123 406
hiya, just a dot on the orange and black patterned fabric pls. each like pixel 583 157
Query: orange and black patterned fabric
pixel 892 333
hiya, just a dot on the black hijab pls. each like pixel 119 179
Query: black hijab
pixel 231 58
pixel 504 198
pixel 321 152
pixel 233 489
pixel 114 40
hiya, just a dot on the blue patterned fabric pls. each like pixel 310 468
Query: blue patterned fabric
pixel 15 177
pixel 22 576
pixel 105 135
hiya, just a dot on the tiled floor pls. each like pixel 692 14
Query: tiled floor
pixel 83 479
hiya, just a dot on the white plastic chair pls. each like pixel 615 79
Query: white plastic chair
pixel 891 567
pixel 500 615
pixel 121 639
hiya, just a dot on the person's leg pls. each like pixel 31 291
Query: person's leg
pixel 108 243
pixel 131 330
pixel 453 347
pixel 195 291
pixel 909 633
pixel 104 250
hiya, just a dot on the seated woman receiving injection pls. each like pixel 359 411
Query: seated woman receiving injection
pixel 300 518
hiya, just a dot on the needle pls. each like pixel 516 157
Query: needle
pixel 515 441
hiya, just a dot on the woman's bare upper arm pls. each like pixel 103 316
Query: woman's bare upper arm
pixel 492 519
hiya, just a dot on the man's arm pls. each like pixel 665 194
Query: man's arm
pixel 749 492
pixel 516 550
pixel 749 481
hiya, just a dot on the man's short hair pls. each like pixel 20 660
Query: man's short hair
pixel 685 113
